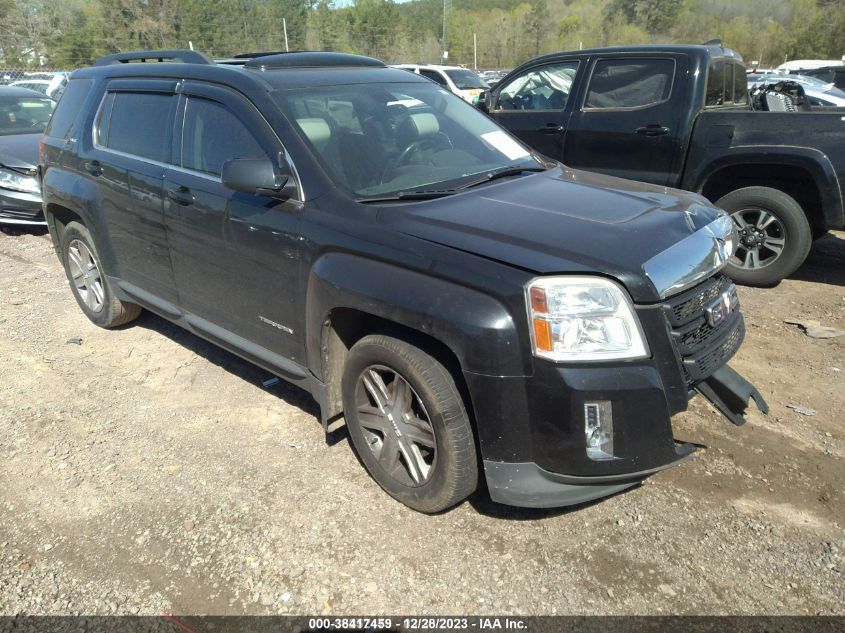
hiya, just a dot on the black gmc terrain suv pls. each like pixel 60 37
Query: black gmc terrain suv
pixel 466 304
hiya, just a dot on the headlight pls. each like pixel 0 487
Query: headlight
pixel 18 182
pixel 583 319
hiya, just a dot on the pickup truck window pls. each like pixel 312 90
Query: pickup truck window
pixel 726 84
pixel 630 83
pixel 544 88
pixel 213 135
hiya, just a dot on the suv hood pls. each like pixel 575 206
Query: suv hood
pixel 570 221
pixel 19 151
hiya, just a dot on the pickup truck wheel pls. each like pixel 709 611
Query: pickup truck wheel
pixel 88 281
pixel 408 424
pixel 773 235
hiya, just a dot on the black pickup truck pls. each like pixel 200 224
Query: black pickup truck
pixel 680 116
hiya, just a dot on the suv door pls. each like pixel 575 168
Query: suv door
pixel 629 122
pixel 235 255
pixel 133 134
pixel 536 106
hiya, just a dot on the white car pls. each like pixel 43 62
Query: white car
pixel 51 87
pixel 461 81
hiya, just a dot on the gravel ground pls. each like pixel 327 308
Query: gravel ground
pixel 144 470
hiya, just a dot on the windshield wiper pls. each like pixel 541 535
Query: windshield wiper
pixel 420 194
pixel 503 172
pixel 430 194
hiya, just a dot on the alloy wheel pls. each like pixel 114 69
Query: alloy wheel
pixel 86 276
pixel 395 425
pixel 761 238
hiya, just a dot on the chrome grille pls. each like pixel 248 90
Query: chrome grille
pixel 703 348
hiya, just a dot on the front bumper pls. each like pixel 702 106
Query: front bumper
pixel 17 207
pixel 532 429
pixel 529 486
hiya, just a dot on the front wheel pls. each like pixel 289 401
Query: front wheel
pixel 408 424
pixel 773 235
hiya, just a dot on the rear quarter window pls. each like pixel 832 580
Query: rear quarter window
pixel 69 107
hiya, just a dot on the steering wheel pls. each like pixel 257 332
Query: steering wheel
pixel 436 141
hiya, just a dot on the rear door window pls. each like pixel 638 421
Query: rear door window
pixel 618 84
pixel 141 124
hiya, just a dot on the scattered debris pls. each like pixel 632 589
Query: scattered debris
pixel 73 341
pixel 270 382
pixel 801 409
pixel 188 525
pixel 814 329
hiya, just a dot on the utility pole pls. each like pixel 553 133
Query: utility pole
pixel 445 52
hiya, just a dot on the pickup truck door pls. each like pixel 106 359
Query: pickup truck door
pixel 628 123
pixel 235 255
pixel 535 105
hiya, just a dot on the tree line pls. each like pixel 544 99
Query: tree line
pixel 491 33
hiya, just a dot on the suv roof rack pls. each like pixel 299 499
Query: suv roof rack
pixel 243 58
pixel 176 55
pixel 310 59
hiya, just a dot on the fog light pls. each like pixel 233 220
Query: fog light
pixel 598 429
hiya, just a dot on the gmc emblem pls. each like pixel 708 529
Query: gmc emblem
pixel 722 306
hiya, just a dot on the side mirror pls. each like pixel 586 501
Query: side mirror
pixel 257 176
pixel 483 102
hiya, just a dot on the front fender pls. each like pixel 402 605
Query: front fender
pixel 478 328
pixel 814 161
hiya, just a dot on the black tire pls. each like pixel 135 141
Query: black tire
pixel 790 226
pixel 97 301
pixel 452 474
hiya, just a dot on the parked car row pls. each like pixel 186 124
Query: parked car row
pixel 24 115
pixel 460 298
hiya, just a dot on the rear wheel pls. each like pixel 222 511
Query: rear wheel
pixel 88 280
pixel 408 424
pixel 774 236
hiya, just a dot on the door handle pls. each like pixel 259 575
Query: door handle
pixel 181 195
pixel 94 168
pixel 551 128
pixel 653 129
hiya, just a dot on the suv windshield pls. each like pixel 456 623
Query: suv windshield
pixel 378 139
pixel 24 115
pixel 466 79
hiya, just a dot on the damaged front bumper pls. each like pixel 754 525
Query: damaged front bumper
pixel 528 485
pixel 532 429
pixel 731 394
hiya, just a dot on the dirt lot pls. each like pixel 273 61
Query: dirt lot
pixel 144 470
